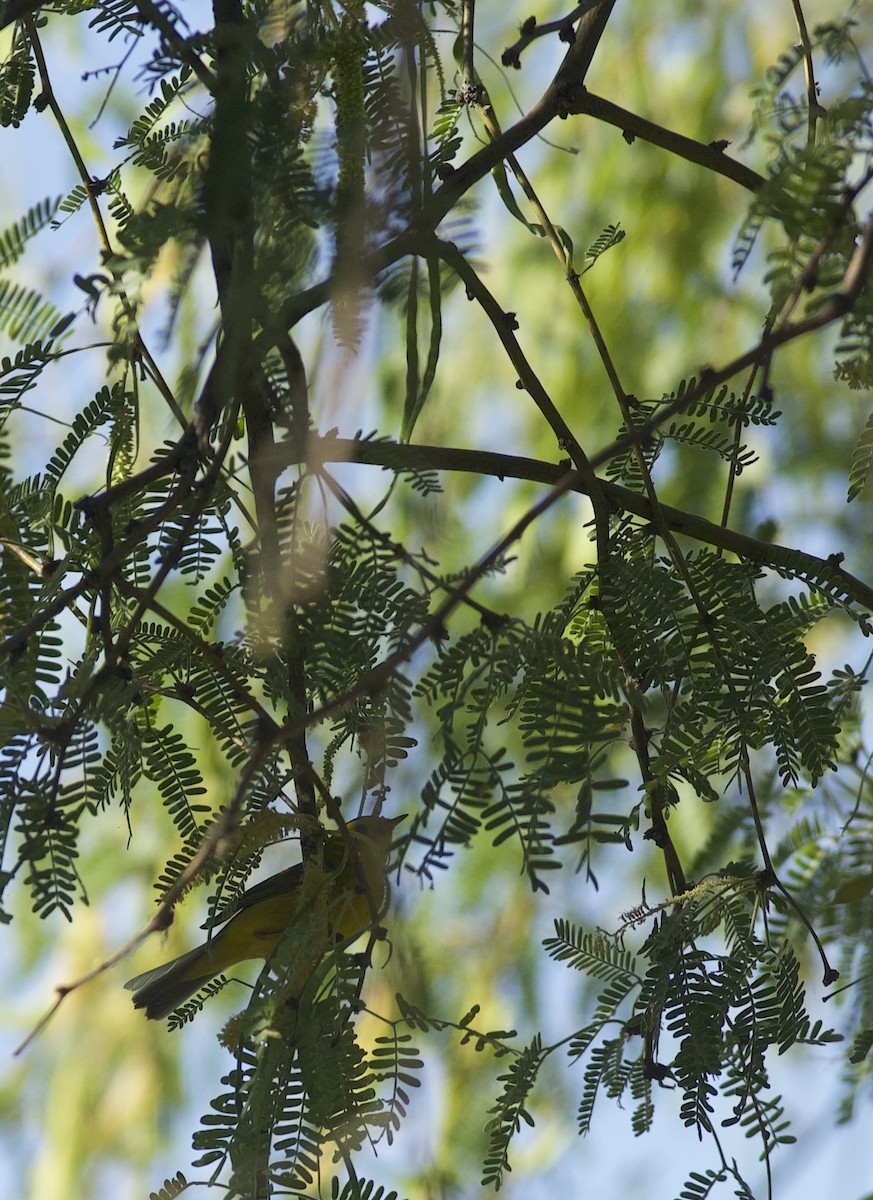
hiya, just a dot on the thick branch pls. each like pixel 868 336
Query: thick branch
pixel 632 125
pixel 507 466
pixel 569 77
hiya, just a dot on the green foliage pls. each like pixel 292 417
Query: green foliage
pixel 26 316
pixel 510 1111
pixel 172 1188
pixel 611 236
pixel 17 74
pixel 14 240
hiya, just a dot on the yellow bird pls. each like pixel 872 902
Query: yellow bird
pixel 333 900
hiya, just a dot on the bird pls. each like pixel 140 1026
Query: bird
pixel 17 10
pixel 330 898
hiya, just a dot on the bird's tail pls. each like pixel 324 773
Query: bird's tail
pixel 164 988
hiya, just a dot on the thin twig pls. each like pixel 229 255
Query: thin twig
pixel 814 109
pixel 531 30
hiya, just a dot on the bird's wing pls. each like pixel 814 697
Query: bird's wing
pixel 276 885
pixel 177 966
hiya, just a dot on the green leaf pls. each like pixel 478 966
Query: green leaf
pixel 862 456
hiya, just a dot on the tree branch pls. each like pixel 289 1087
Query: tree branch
pixel 507 466
pixel 714 159
pixel 570 76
